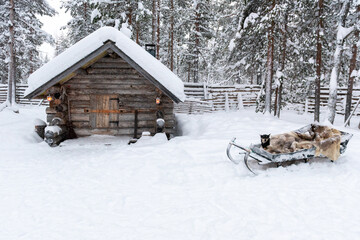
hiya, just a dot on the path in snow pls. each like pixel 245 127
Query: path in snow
pixel 181 189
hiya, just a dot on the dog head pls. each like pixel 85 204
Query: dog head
pixel 265 140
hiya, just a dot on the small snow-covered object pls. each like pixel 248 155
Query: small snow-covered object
pixel 146 134
pixel 54 135
pixel 40 127
pixel 160 122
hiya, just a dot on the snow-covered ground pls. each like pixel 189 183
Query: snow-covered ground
pixel 101 188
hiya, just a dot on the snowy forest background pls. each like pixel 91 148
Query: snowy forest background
pixel 268 42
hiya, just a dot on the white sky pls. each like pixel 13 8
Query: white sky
pixel 52 25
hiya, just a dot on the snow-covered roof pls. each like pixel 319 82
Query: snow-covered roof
pixel 152 68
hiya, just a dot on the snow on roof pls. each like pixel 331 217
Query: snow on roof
pixel 94 41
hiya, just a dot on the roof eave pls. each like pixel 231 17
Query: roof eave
pixel 107 45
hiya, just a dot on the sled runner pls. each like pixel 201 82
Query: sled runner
pixel 256 155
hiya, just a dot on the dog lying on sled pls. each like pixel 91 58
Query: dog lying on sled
pixel 325 139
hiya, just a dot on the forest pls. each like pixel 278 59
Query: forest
pixel 291 48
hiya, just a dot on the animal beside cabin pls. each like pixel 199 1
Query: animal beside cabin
pixel 326 140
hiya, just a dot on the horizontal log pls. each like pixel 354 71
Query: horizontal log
pixel 111 71
pixel 109 65
pixel 107 77
pixel 75 117
pixel 110 91
pixel 119 87
pixel 125 131
pixel 79 104
pixel 111 60
pixel 108 80
pixel 79 97
pixel 127 124
pixel 116 132
pixel 125 98
pixel 80 117
pixel 50 110
pixel 123 109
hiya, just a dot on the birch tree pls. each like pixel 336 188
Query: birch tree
pixel 352 67
pixel 342 34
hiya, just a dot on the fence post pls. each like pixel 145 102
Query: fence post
pixel 306 105
pixel 205 91
pixel 227 102
pixel 211 102
pixel 240 101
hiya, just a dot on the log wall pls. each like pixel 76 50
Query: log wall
pixel 127 91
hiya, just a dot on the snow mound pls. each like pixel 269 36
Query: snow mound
pixel 157 139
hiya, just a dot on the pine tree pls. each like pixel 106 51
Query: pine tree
pixel 81 24
pixel 23 34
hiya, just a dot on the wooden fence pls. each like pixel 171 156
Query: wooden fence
pixel 20 89
pixel 309 104
pixel 202 98
pixel 206 98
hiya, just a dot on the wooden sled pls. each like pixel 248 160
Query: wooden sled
pixel 261 157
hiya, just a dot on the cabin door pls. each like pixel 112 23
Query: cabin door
pixel 104 111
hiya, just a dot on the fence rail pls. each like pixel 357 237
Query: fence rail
pixel 309 105
pixel 205 98
pixel 202 98
pixel 20 89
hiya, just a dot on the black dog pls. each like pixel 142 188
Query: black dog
pixel 265 140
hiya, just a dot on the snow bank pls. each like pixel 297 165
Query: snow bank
pixel 94 41
pixel 101 188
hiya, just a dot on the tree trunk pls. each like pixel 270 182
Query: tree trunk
pixel 276 100
pixel 337 62
pixel 352 68
pixel 318 61
pixel 270 66
pixel 172 35
pixel 279 100
pixel 197 44
pixel 158 31
pixel 137 31
pixel 153 21
pixel 129 14
pixel 283 60
pixel 11 95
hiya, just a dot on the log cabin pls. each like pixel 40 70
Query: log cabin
pixel 106 84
